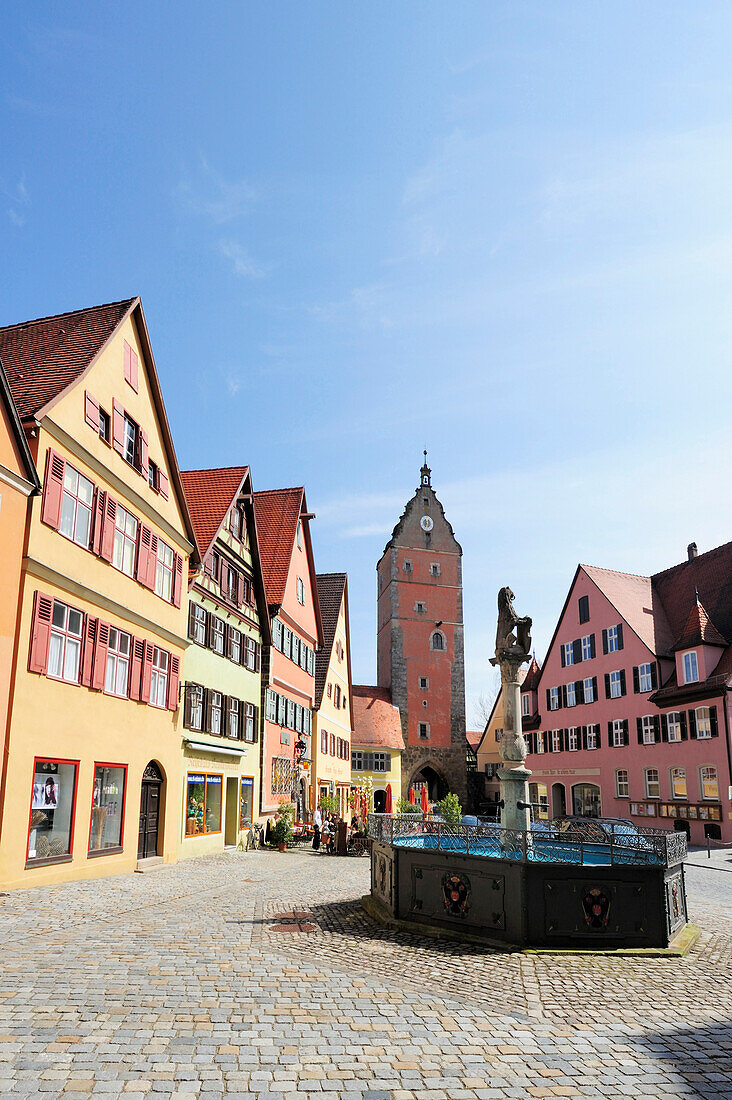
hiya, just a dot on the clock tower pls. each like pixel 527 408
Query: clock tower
pixel 420 655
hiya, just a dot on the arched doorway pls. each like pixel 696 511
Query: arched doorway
pixel 150 803
pixel 437 786
pixel 683 827
pixel 379 802
pixel 559 800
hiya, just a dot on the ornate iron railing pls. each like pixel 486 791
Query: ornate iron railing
pixel 571 842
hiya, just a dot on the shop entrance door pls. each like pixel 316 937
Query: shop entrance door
pixel 232 811
pixel 152 785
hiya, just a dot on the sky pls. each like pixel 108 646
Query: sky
pixel 498 231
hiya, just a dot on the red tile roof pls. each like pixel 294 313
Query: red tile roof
pixel 699 630
pixel 16 428
pixel 276 512
pixel 43 357
pixel 634 598
pixel 530 681
pixel 474 738
pixel 210 494
pixel 708 575
pixel 331 587
pixel 376 722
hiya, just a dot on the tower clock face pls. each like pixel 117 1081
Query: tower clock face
pixel 426 523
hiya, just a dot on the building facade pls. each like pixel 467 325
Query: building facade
pixel 377 745
pixel 333 710
pixel 288 664
pixel 634 698
pixel 220 718
pixel 92 777
pixel 420 650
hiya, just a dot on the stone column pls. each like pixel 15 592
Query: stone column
pixel 514 775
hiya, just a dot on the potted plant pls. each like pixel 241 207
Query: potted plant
pixel 329 805
pixel 449 807
pixel 282 829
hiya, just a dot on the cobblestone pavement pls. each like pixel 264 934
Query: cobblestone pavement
pixel 192 982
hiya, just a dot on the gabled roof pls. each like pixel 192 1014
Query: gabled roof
pixel 210 494
pixel 699 630
pixel 42 358
pixel 532 677
pixel 331 587
pixel 636 602
pixel 277 512
pixel 376 721
pixel 708 577
pixel 16 428
pixel 474 738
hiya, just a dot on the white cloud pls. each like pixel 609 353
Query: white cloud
pixel 205 192
pixel 242 263
pixel 19 201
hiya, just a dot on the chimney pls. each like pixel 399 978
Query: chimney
pixel 692 551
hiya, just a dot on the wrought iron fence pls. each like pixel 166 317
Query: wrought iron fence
pixel 583 842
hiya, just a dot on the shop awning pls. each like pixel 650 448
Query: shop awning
pixel 203 746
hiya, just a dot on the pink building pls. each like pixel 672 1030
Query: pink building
pixel 630 716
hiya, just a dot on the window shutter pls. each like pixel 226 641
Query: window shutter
pixel 610 735
pixel 144 454
pixel 163 484
pixel 187 705
pixel 639 728
pixel 152 562
pixel 177 579
pixel 207 710
pixel 656 727
pixel 654 675
pixel 90 634
pixel 592 645
pixel 607 685
pixel 127 362
pixel 107 539
pixel 146 678
pixel 173 682
pixel 594 688
pixel 626 732
pixel 584 737
pixel 664 727
pixel 256 724
pixel 40 633
pixel 562 741
pixel 577 651
pixel 598 739
pixel 53 484
pixel 548 699
pixel 604 641
pixel 682 719
pixel 257 649
pixel 118 427
pixel 636 680
pixel 620 635
pixel 579 691
pixel 137 650
pixel 208 565
pixel 564 695
pixel 100 656
pixel 713 721
pixel 100 500
pixel 191 618
pixel 91 411
pixel 561 655
pixel 134 365
pixel 144 537
pixel 548 740
pixel 622 681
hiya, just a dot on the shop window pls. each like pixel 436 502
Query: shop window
pixel 108 805
pixel 53 803
pixel 118 663
pixel 64 651
pixel 125 541
pixel 246 802
pixel 159 678
pixel 708 783
pixel 203 804
pixel 76 507
pixel 164 572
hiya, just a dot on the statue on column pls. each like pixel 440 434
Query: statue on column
pixel 513 649
pixel 508 622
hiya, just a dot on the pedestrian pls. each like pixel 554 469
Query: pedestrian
pixel 317 826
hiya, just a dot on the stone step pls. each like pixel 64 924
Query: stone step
pixel 151 863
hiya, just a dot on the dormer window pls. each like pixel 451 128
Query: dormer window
pixel 235 523
pixel 526 705
pixel 691 668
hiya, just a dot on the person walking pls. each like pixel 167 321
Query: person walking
pixel 317 826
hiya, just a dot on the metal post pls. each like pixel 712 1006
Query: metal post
pixel 709 846
pixel 439 836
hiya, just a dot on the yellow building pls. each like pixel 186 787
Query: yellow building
pixel 92 783
pixel 227 611
pixel 377 744
pixel 333 711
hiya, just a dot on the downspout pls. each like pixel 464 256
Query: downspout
pixel 726 740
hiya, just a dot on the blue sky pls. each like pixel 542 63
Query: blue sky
pixel 499 231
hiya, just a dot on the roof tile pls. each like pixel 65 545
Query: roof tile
pixel 277 512
pixel 376 721
pixel 331 587
pixel 209 494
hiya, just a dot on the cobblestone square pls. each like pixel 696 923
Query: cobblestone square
pixel 258 976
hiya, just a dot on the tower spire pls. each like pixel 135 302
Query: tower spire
pixel 425 473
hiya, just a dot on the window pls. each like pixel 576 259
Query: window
pixel 337 696
pixel 286 641
pixel 330 690
pixel 271 705
pixel 540 742
pixel 587 653
pixel 424 682
pixel 197 628
pixel 164 572
pixel 678 783
pixel 556 740
pixel 125 541
pixel 234 653
pixel 105 426
pixel 232 718
pixel 76 507
pixel 613 639
pixel 526 704
pixel 616 685
pixel 691 668
pixel 246 801
pixel 583 605
pixel 203 804
pixel 653 787
pixel 218 631
pixel 703 723
pixel 618 733
pixel 708 784
pixel 332 744
pixel 282 775
pixel 108 803
pixel 420 606
pixel 648 729
pixel 53 802
pixel 159 678
pixel 250 654
pixel 573 741
pixel 250 722
pixel 194 707
pixel 568 648
pixel 379 762
pixel 673 725
pixel 588 686
pixel 64 651
pixel 622 786
pixel 153 476
pixel 129 447
pixel 645 678
pixel 231 582
pixel 438 641
pixel 357 761
pixel 554 698
pixel 324 742
pixel 300 591
pixel 499 734
pixel 214 712
pixel 424 730
pixel 571 695
pixel 593 737
pixel 299 535
pixel 407 566
pixel 434 569
pixel 118 663
pixel 235 522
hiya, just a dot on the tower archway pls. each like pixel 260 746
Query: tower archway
pixel 434 780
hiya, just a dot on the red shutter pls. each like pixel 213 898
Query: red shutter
pixel 239 589
pixel 118 427
pixel 144 538
pixel 100 656
pixel 107 539
pixel 144 459
pixel 256 656
pixel 137 651
pixel 147 662
pixel 100 501
pixel 91 411
pixel 133 369
pixel 90 634
pixel 53 484
pixel 177 578
pixel 163 485
pixel 173 681
pixel 152 562
pixel 128 358
pixel 40 632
